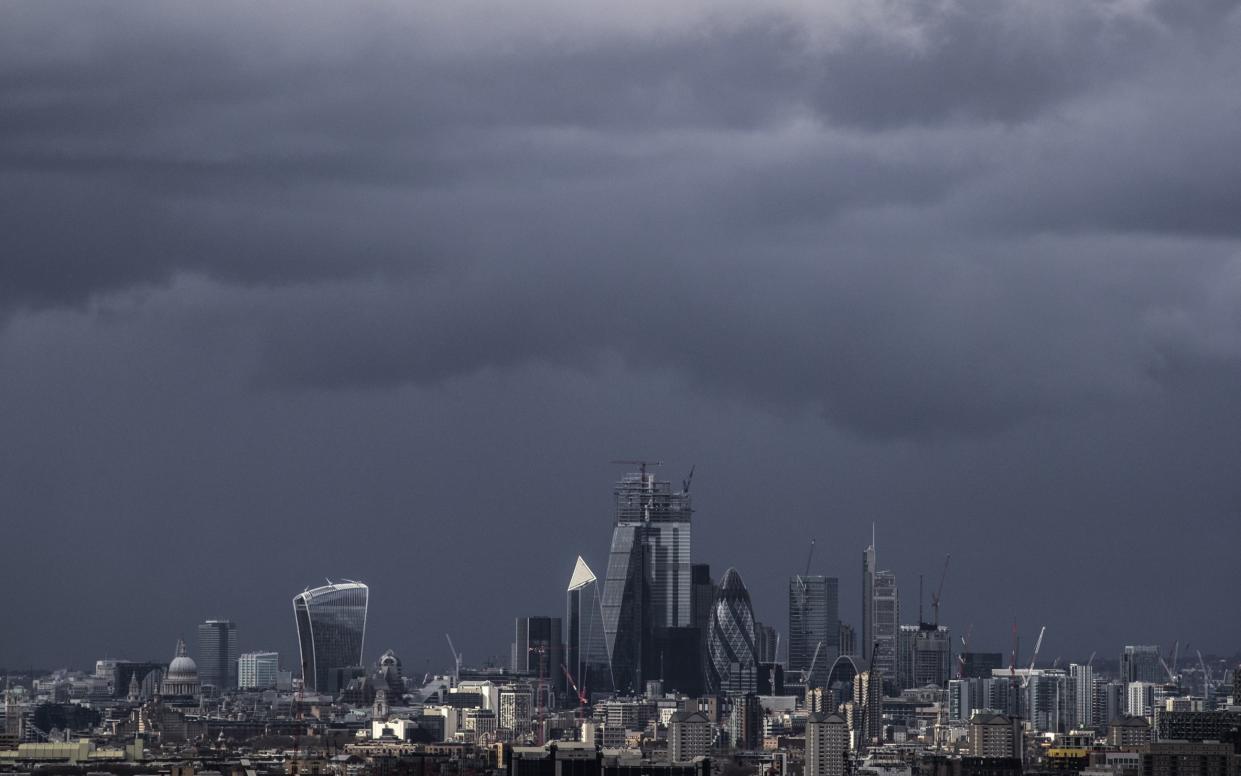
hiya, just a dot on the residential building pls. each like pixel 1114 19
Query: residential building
pixel 827 745
pixel 995 735
pixel 689 736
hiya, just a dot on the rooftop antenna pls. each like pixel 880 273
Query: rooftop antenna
pixel 920 620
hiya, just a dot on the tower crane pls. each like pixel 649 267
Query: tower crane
pixel 965 646
pixel 456 659
pixel 935 598
pixel 806 674
pixel 1025 682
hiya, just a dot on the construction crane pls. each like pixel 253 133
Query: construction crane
pixel 581 694
pixel 805 675
pixel 541 692
pixel 639 463
pixel 685 483
pixel 1206 681
pixel 1012 658
pixel 1090 662
pixel 809 555
pixel 965 647
pixel 456 659
pixel 935 598
pixel 1025 682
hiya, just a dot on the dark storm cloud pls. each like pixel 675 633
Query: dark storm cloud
pixel 244 247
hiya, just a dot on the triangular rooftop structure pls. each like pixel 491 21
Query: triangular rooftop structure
pixel 582 575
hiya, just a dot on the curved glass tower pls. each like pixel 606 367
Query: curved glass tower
pixel 732 658
pixel 331 625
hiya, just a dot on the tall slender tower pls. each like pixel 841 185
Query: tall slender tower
pixel 648 587
pixel 586 652
pixel 868 596
pixel 217 654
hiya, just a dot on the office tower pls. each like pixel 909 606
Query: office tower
pixel 702 603
pixel 868 599
pixel 217 654
pixel 827 745
pixel 516 708
pixel 586 651
pixel 538 652
pixel 979 665
pixel 848 640
pixel 924 656
pixel 1236 686
pixel 689 736
pixel 765 641
pixel 868 708
pixel 733 660
pixel 331 629
pixel 648 583
pixel 1141 664
pixel 257 670
pixel 884 623
pixel 1082 677
pixel 814 626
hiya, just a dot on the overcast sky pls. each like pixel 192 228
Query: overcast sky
pixel 294 291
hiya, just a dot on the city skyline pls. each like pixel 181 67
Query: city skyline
pixel 502 657
pixel 286 295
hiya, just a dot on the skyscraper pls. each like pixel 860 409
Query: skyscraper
pixel 1141 664
pixel 537 652
pixel 586 651
pixel 868 597
pixel 733 658
pixel 217 654
pixel 648 583
pixel 884 623
pixel 814 626
pixel 924 656
pixel 331 628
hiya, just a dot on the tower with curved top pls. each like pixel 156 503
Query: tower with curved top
pixel 732 657
pixel 331 627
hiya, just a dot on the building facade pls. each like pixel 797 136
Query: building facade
pixel 331 631
pixel 814 626
pixel 538 651
pixel 648 585
pixel 586 650
pixel 827 745
pixel 217 654
pixel 689 736
pixel 732 665
pixel 258 670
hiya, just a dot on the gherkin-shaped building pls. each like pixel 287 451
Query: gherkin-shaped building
pixel 732 658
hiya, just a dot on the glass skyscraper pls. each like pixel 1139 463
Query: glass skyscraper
pixel 732 665
pixel 814 620
pixel 331 626
pixel 648 585
pixel 217 654
pixel 586 649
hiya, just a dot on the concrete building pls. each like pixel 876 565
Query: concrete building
pixel 1140 699
pixel 217 654
pixel 924 656
pixel 827 745
pixel 1182 758
pixel 258 670
pixel 995 735
pixel 868 709
pixel 689 736
pixel 1129 732
pixel 516 708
